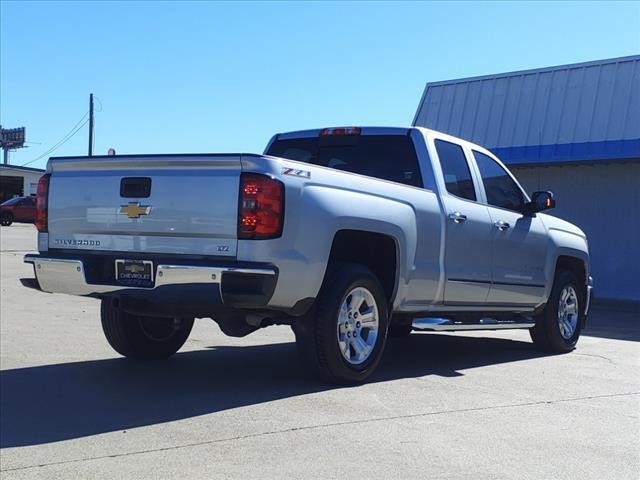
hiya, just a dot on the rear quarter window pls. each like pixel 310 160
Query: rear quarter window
pixel 388 157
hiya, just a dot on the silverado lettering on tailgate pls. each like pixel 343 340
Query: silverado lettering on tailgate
pixel 72 242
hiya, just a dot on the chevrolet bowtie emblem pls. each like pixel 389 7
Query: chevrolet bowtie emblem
pixel 134 210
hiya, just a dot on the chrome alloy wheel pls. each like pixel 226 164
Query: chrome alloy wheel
pixel 358 325
pixel 568 312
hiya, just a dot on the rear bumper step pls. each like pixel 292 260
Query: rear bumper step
pixel 444 325
pixel 67 275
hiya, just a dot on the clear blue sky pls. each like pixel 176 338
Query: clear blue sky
pixel 223 77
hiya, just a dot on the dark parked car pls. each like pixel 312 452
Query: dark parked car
pixel 18 209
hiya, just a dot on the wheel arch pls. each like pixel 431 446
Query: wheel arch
pixel 377 251
pixel 576 265
pixel 566 250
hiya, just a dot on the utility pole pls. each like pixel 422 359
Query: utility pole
pixel 91 124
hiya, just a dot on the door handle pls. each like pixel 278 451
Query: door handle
pixel 457 217
pixel 502 226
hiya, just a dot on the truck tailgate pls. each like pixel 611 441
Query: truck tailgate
pixel 182 204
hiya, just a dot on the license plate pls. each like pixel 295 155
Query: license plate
pixel 137 273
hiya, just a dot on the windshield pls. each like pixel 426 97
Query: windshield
pixel 11 201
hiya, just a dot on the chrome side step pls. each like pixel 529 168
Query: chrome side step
pixel 445 325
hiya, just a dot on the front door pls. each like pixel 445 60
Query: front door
pixel 519 256
pixel 520 243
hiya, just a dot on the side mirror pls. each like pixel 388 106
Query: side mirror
pixel 540 201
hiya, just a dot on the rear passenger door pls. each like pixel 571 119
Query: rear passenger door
pixel 468 230
pixel 520 242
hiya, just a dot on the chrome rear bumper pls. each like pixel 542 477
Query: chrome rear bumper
pixel 63 275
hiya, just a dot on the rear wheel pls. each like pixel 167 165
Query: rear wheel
pixel 143 337
pixel 559 325
pixel 6 219
pixel 342 339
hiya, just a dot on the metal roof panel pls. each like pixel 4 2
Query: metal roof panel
pixel 572 107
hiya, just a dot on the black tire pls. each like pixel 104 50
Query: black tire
pixel 6 219
pixel 317 332
pixel 546 334
pixel 143 337
pixel 400 327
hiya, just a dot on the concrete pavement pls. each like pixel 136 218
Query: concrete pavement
pixel 473 405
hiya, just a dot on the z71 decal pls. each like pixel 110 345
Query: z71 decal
pixel 294 172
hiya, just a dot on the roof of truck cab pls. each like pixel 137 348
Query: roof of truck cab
pixel 381 131
pixel 314 132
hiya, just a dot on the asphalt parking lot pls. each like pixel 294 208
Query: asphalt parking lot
pixel 463 406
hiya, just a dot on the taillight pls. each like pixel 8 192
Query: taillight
pixel 261 209
pixel 42 203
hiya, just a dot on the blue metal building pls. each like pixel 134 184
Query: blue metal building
pixel 573 129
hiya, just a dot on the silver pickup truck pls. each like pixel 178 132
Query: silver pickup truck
pixel 350 235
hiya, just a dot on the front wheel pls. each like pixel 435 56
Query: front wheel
pixel 343 337
pixel 6 219
pixel 143 337
pixel 559 325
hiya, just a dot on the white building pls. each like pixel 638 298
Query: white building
pixel 572 129
pixel 18 181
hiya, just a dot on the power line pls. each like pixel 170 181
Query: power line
pixel 75 129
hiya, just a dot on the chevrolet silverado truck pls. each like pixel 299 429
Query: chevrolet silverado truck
pixel 349 235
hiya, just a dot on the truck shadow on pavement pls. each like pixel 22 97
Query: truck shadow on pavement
pixel 52 403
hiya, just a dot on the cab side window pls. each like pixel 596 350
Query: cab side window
pixel 455 169
pixel 500 188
